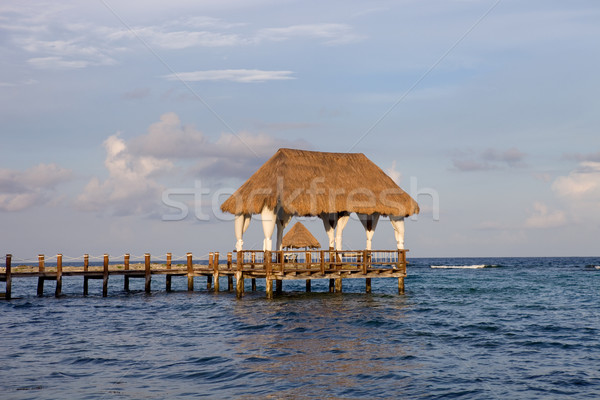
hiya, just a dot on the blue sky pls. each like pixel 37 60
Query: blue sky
pixel 116 116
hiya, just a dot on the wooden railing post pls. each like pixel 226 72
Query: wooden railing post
pixel 365 260
pixel 126 258
pixel 239 274
pixel 210 267
pixel 168 277
pixel 58 275
pixel 216 272
pixel 229 267
pixel 269 278
pixel 86 267
pixel 105 276
pixel 147 273
pixel 190 272
pixel 8 292
pixel 42 269
pixel 322 262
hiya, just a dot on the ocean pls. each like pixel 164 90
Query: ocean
pixel 471 328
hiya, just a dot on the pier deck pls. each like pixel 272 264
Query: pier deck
pixel 248 264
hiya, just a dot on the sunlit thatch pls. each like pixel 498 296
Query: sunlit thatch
pixel 309 183
pixel 299 237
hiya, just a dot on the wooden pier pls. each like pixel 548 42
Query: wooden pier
pixel 248 264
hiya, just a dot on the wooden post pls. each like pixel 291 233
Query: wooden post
pixel 322 262
pixel 368 285
pixel 338 285
pixel 86 267
pixel 269 278
pixel 216 272
pixel 401 285
pixel 364 261
pixel 229 266
pixel 239 275
pixel 210 266
pixel 42 268
pixel 404 261
pixel 105 277
pixel 8 293
pixel 308 285
pixel 278 286
pixel 254 284
pixel 147 273
pixel 190 272
pixel 126 276
pixel 332 286
pixel 168 277
pixel 58 275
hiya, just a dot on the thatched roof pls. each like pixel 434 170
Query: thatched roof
pixel 299 237
pixel 308 183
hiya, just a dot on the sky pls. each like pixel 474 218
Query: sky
pixel 124 125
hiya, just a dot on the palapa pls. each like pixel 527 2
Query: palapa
pixel 299 237
pixel 311 183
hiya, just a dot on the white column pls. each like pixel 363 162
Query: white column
pixel 268 222
pixel 329 223
pixel 398 224
pixel 369 222
pixel 342 221
pixel 241 225
pixel 283 219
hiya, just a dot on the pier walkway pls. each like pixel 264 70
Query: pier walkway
pixel 237 266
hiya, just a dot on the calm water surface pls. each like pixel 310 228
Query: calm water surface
pixel 526 328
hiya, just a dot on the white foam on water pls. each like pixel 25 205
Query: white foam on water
pixel 476 266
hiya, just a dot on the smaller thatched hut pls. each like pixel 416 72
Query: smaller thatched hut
pixel 299 238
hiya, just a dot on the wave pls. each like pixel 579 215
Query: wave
pixel 474 266
pixel 593 266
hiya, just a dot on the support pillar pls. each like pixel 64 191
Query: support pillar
pixel 8 292
pixel 126 268
pixel 216 272
pixel 42 269
pixel 105 276
pixel 308 285
pixel 168 277
pixel 368 285
pixel 190 272
pixel 147 273
pixel 401 285
pixel 338 285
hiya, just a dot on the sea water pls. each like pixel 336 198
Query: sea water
pixel 516 328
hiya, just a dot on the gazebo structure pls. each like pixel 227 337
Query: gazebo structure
pixel 330 186
pixel 300 238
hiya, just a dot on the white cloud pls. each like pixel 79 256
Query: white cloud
pixel 130 188
pixel 234 75
pixel 228 156
pixel 330 32
pixel 581 184
pixel 580 191
pixel 20 190
pixel 543 217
